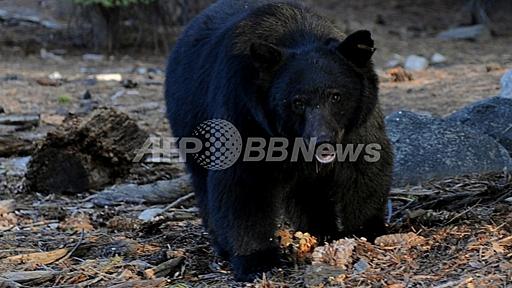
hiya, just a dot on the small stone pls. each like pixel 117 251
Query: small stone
pixel 395 61
pixel 437 58
pixel 55 76
pixel 506 85
pixel 12 77
pixel 416 63
pixel 53 226
pixel 129 84
pixel 50 56
pixel 149 214
pixel 88 70
pixel 87 95
pixel 509 200
pixel 87 106
pixel 141 70
pixel 62 111
pixel 93 57
pixel 156 71
pixel 90 82
pixel 361 266
pixel 109 77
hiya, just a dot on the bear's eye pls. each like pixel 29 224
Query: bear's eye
pixel 335 97
pixel 298 104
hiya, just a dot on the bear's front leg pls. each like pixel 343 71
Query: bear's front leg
pixel 362 195
pixel 243 214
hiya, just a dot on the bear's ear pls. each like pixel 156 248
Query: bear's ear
pixel 265 56
pixel 357 48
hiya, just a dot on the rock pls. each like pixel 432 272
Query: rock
pixel 416 63
pixel 50 56
pixel 87 95
pixel 430 148
pixel 129 84
pixel 149 214
pixel 87 106
pixel 506 85
pixel 55 76
pixel 48 82
pixel 145 107
pixel 155 71
pixel 492 117
pixel 90 82
pixel 16 166
pixel 141 70
pixel 62 111
pixel 93 57
pixel 12 77
pixel 361 266
pixel 2 110
pixel 395 61
pixel 437 58
pixel 475 32
pixel 88 70
pixel 109 77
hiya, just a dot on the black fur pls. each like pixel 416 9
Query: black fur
pixel 278 69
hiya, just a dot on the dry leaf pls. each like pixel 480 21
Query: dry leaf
pixel 338 253
pixel 399 74
pixel 285 238
pixel 402 239
pixel 306 244
pixel 396 285
pixel 37 258
pixel 78 223
pixel 7 221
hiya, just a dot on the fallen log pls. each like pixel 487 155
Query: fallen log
pixel 160 192
pixel 15 144
pixel 85 154
pixel 20 119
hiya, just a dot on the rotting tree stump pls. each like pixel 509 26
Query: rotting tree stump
pixel 85 154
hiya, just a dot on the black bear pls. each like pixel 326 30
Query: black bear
pixel 277 69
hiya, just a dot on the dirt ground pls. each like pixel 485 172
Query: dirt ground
pixel 472 247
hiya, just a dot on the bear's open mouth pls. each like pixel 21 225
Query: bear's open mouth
pixel 325 157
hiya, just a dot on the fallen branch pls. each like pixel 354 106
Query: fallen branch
pixel 165 191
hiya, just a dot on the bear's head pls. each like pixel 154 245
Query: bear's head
pixel 322 90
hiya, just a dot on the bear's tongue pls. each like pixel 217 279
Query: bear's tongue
pixel 325 157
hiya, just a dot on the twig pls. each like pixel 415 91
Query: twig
pixel 461 213
pixel 80 241
pixel 177 202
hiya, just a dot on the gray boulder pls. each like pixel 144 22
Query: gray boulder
pixel 491 116
pixel 506 85
pixel 431 148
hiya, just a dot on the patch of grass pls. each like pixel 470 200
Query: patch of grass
pixel 64 99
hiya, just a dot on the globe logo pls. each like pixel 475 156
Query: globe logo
pixel 222 144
